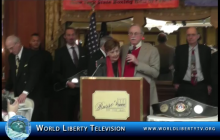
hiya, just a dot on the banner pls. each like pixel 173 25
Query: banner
pixel 42 129
pixel 119 4
pixel 210 3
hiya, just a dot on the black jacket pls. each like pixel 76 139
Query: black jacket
pixel 28 77
pixel 181 62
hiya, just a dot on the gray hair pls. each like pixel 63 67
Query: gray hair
pixel 104 39
pixel 13 39
pixel 141 28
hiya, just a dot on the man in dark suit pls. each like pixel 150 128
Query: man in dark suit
pixel 69 60
pixel 214 78
pixel 97 55
pixel 192 68
pixel 46 74
pixel 24 74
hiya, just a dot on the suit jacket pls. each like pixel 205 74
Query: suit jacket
pixel 64 66
pixel 148 67
pixel 214 69
pixel 28 77
pixel 92 63
pixel 102 70
pixel 46 74
pixel 181 62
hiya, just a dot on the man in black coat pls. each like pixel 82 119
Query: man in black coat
pixel 97 55
pixel 214 78
pixel 24 75
pixel 69 60
pixel 192 68
pixel 46 73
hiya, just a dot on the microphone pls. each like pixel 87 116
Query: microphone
pixel 96 69
pixel 129 52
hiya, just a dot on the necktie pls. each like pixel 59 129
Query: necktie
pixel 75 57
pixel 193 69
pixel 134 47
pixel 17 64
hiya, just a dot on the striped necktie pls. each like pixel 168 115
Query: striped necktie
pixel 17 64
pixel 193 69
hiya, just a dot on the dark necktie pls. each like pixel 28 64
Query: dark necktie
pixel 17 64
pixel 134 47
pixel 75 57
pixel 193 69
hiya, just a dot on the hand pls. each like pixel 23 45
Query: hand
pixel 13 107
pixel 176 86
pixel 3 91
pixel 71 85
pixel 209 90
pixel 22 98
pixel 132 58
pixel 171 67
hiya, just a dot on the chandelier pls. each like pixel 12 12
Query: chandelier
pixel 162 25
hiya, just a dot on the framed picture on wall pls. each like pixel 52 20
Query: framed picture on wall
pixel 121 43
pixel 151 42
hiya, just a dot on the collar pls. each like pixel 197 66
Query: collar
pixel 69 46
pixel 20 53
pixel 191 48
pixel 138 45
pixel 103 52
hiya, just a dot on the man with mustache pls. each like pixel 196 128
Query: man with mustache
pixel 142 61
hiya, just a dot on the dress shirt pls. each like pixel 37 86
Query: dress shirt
pixel 69 47
pixel 138 45
pixel 103 52
pixel 198 65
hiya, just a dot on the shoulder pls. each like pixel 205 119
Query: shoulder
pixel 101 61
pixel 150 47
pixel 215 54
pixel 60 50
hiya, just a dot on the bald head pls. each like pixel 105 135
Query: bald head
pixel 192 36
pixel 13 44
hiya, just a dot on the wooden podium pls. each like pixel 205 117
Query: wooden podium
pixel 137 88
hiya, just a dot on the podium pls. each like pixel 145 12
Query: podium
pixel 114 99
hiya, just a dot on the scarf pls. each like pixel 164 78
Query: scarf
pixel 110 72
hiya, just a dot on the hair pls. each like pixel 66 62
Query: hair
pixel 162 38
pixel 141 28
pixel 111 44
pixel 35 34
pixel 194 28
pixel 13 38
pixel 69 28
pixel 104 39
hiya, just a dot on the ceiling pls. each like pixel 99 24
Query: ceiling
pixel 123 25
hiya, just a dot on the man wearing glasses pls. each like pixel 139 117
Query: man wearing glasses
pixel 192 68
pixel 141 59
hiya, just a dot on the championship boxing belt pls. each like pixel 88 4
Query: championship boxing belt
pixel 184 107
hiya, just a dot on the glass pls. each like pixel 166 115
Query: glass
pixel 135 34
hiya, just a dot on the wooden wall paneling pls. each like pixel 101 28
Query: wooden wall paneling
pixel 22 18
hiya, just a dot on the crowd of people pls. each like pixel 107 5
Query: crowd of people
pixel 33 72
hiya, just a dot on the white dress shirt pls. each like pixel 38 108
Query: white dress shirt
pixel 69 47
pixel 137 46
pixel 103 52
pixel 198 65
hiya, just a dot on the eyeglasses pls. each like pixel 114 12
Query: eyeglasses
pixel 135 34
